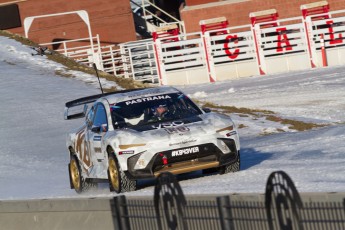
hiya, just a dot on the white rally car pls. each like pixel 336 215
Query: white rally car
pixel 135 134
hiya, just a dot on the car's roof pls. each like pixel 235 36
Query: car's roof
pixel 139 93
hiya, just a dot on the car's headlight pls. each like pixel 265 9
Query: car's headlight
pixel 134 161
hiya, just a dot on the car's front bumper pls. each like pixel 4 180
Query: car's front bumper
pixel 199 157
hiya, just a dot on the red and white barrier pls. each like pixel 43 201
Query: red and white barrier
pixel 232 54
pixel 282 48
pixel 268 46
pixel 182 59
pixel 218 25
pixel 332 30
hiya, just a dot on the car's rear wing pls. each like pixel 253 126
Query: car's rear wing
pixel 84 101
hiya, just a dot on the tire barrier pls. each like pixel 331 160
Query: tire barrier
pixel 281 191
pixel 281 207
pixel 169 199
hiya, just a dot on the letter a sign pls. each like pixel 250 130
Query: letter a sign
pixel 282 38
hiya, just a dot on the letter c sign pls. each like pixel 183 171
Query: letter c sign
pixel 235 54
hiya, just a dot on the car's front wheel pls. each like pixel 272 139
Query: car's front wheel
pixel 77 181
pixel 230 168
pixel 118 181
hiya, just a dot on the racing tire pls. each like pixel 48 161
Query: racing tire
pixel 77 181
pixel 231 168
pixel 118 181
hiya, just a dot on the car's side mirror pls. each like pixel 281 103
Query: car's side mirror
pixel 206 110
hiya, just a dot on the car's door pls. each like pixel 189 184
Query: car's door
pixel 82 144
pixel 96 131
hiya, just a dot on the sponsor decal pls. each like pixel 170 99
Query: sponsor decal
pixel 97 138
pixel 183 142
pixel 97 150
pixel 81 146
pixel 231 133
pixel 178 129
pixel 144 99
pixel 187 151
pixel 130 146
pixel 126 152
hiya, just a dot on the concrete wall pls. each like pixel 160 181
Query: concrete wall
pixel 248 210
pixel 54 214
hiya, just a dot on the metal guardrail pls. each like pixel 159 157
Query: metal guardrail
pixel 140 60
pixel 281 207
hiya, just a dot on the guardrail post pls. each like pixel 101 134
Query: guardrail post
pixel 259 54
pixel 207 25
pixel 323 51
pixel 159 60
pixel 269 17
pixel 209 59
pixel 65 48
pixel 225 216
pixel 311 49
pixel 121 220
pixel 308 10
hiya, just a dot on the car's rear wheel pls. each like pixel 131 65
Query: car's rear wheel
pixel 118 181
pixel 77 181
pixel 230 168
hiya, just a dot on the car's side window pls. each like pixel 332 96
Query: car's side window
pixel 90 116
pixel 101 118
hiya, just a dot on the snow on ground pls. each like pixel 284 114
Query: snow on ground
pixel 34 158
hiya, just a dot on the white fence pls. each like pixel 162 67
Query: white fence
pixel 231 53
pixel 181 59
pixel 284 47
pixel 228 53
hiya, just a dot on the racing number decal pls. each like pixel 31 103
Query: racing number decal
pixel 168 124
pixel 82 148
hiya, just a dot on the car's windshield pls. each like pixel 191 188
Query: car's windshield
pixel 152 109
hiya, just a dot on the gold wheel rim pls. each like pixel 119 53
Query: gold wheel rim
pixel 75 175
pixel 114 174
